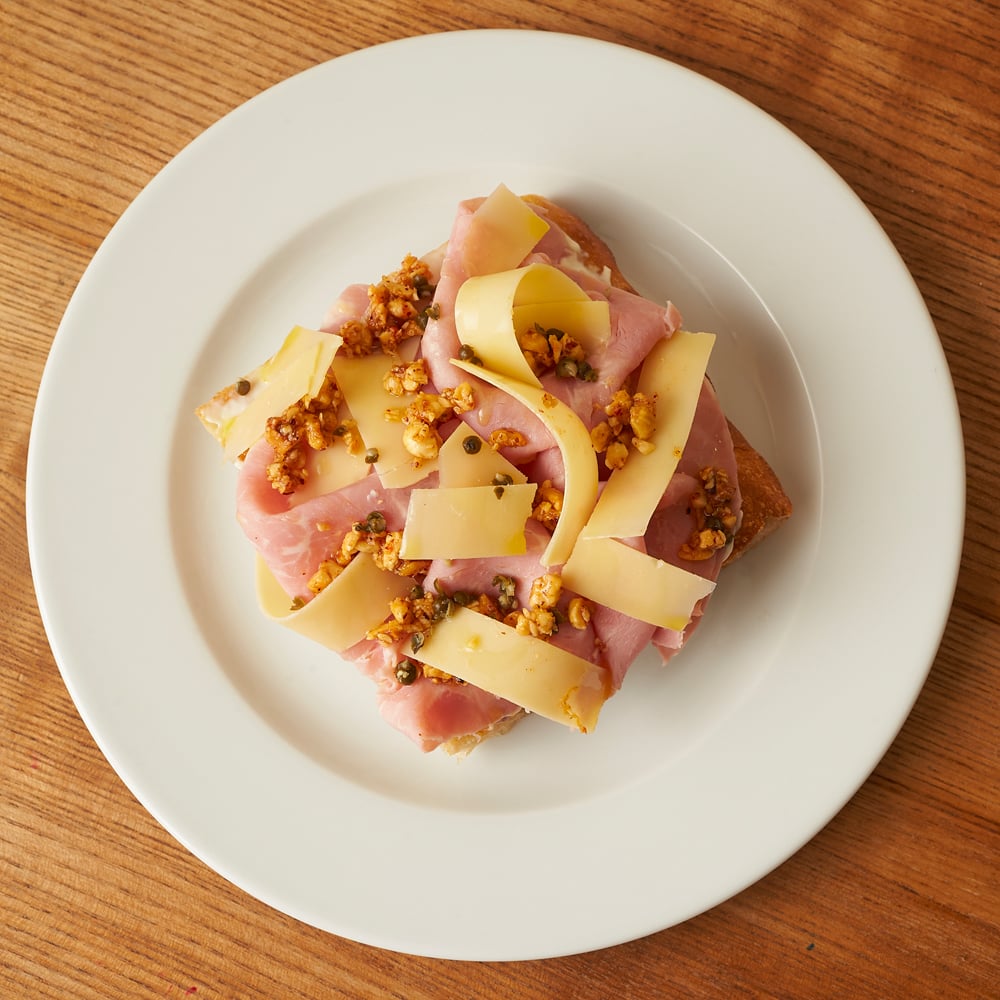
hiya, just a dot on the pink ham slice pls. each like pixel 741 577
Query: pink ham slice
pixel 611 639
pixel 708 444
pixel 287 534
pixel 352 305
pixel 294 539
pixel 427 712
pixel 431 713
pixel 636 325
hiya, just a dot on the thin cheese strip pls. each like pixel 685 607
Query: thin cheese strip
pixel 332 469
pixel 467 522
pixel 501 233
pixel 343 612
pixel 492 309
pixel 459 465
pixel 360 380
pixel 530 672
pixel 297 370
pixel 673 371
pixel 579 459
pixel 620 577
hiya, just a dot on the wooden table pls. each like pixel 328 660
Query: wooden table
pixel 897 896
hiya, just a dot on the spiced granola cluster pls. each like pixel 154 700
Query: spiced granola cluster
pixel 412 617
pixel 630 420
pixel 551 349
pixel 423 415
pixel 310 423
pixel 714 520
pixel 399 307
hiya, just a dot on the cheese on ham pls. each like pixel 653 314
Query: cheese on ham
pixel 672 375
pixel 362 588
pixel 529 672
pixel 573 439
pixel 492 311
pixel 467 522
pixel 505 269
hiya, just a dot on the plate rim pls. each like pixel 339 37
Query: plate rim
pixel 583 940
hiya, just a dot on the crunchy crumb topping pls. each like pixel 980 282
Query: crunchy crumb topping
pixel 554 350
pixel 545 591
pixel 369 536
pixel 413 617
pixel 579 613
pixel 630 422
pixel 714 520
pixel 542 618
pixel 506 437
pixel 422 417
pixel 398 308
pixel 311 423
pixel 548 505
pixel 406 377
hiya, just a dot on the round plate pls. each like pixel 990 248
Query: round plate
pixel 265 755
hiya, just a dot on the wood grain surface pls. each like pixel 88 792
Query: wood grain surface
pixel 897 896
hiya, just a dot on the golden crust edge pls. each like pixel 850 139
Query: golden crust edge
pixel 462 746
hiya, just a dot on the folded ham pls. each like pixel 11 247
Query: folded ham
pixel 293 536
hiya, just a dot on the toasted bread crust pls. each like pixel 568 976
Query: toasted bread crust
pixel 765 504
pixel 462 746
pixel 594 250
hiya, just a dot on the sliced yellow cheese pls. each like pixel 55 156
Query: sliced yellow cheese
pixel 360 381
pixel 501 233
pixel 459 465
pixel 530 672
pixel 673 372
pixel 614 574
pixel 297 370
pixel 467 522
pixel 343 612
pixel 332 469
pixel 579 458
pixel 299 339
pixel 491 310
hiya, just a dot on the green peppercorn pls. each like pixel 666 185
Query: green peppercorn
pixel 472 444
pixel 466 353
pixel 242 386
pixel 406 671
pixel 507 599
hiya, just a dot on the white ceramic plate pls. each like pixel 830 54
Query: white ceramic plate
pixel 263 754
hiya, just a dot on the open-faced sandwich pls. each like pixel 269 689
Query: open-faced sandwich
pixel 491 479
